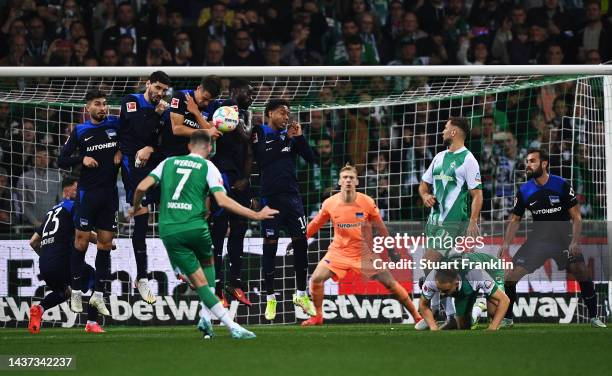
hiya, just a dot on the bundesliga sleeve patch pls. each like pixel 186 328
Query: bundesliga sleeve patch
pixel 174 103
pixel 130 106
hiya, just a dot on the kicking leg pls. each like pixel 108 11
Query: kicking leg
pixel 320 275
pixel 399 292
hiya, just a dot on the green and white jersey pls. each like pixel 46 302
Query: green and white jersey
pixel 452 175
pixel 471 282
pixel 185 182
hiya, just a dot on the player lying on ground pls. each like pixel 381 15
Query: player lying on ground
pixel 451 179
pixel 464 286
pixel 552 203
pixel 185 182
pixel 54 242
pixel 351 213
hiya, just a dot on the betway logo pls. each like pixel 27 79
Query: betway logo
pixel 107 145
pixel 349 307
pixel 546 307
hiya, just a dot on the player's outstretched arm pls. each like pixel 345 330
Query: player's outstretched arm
pixel 429 200
pixel 427 313
pixel 513 225
pixel 317 222
pixel 35 242
pixel 475 212
pixel 501 300
pixel 228 203
pixel 139 193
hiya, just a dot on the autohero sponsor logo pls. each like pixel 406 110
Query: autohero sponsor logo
pixel 547 211
pixel 107 145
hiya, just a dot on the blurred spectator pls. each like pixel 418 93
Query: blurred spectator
pixel 472 52
pixel 69 13
pixel 157 54
pixel 379 185
pixel 593 57
pixel 323 175
pixel 38 43
pixel 369 31
pixel 596 34
pixel 214 53
pixel 109 57
pixel 296 52
pixel 518 16
pixel 410 27
pixel 272 55
pixel 125 46
pixel 315 21
pixel 538 38
pixel 505 166
pixel 519 48
pixel 39 188
pixel 82 50
pixel 77 30
pixel 554 54
pixel 17 55
pixel 555 19
pixel 243 52
pixel 503 36
pixel 393 25
pixel 126 24
pixel 216 27
pixel 59 53
pixel 339 52
pixel 21 149
pixel 430 14
pixel 183 54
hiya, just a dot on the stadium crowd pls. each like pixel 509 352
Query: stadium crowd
pixel 390 146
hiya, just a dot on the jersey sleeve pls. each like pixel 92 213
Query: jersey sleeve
pixel 569 198
pixel 429 288
pixel 519 204
pixel 372 209
pixel 178 103
pixel 214 179
pixel 482 281
pixel 129 108
pixel 428 175
pixel 472 173
pixel 319 220
pixel 157 171
pixel 66 158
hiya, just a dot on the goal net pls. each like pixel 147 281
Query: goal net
pixel 387 124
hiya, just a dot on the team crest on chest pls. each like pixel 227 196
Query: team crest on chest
pixel 554 200
pixel 111 133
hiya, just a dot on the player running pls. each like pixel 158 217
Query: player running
pixel 187 113
pixel 233 158
pixel 453 173
pixel 465 285
pixel 275 146
pixel 351 213
pixel 53 242
pixel 185 182
pixel 552 203
pixel 97 201
pixel 141 116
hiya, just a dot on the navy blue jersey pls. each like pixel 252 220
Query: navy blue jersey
pixel 98 141
pixel 547 203
pixel 57 231
pixel 275 155
pixel 231 148
pixel 140 124
pixel 177 145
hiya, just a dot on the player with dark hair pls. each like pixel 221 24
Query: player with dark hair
pixel 185 181
pixel 452 177
pixel 141 116
pixel 276 144
pixel 552 203
pixel 53 242
pixel 234 158
pixel 96 206
pixel 188 112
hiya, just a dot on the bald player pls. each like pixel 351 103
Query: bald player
pixel 351 213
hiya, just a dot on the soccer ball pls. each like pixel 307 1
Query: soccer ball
pixel 225 118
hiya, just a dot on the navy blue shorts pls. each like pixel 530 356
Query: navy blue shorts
pixel 532 255
pixel 96 209
pixel 55 271
pixel 241 197
pixel 291 216
pixel 132 176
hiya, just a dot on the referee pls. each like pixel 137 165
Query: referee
pixel 551 200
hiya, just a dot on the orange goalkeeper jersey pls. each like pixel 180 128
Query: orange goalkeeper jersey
pixel 351 222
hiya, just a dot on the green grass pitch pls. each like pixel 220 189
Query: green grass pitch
pixel 328 350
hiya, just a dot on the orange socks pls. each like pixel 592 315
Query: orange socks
pixel 402 296
pixel 316 290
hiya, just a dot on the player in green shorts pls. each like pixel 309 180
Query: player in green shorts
pixel 446 185
pixel 464 284
pixel 185 183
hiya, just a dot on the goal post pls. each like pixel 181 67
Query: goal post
pixel 386 120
